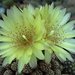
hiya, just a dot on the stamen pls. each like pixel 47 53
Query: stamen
pixel 25 38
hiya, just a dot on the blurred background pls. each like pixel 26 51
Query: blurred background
pixel 69 4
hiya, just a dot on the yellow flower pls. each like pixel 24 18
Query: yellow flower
pixel 21 37
pixel 59 32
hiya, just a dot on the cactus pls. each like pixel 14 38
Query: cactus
pixel 27 69
pixel 37 72
pixel 8 72
pixel 53 68
pixel 44 67
pixel 14 66
pixel 69 67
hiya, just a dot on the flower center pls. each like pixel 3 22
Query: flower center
pixel 54 34
pixel 22 37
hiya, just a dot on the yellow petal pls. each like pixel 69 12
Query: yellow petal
pixel 8 52
pixel 67 45
pixel 47 56
pixel 38 23
pixel 5 45
pixel 65 19
pixel 61 53
pixel 9 59
pixel 20 54
pixel 23 60
pixel 5 62
pixel 21 65
pixel 68 25
pixel 5 39
pixel 3 25
pixel 30 9
pixel 8 22
pixel 70 34
pixel 3 32
pixel 29 51
pixel 33 61
pixel 17 15
pixel 38 46
pixel 39 36
pixel 39 54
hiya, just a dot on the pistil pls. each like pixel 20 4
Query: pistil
pixel 25 38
